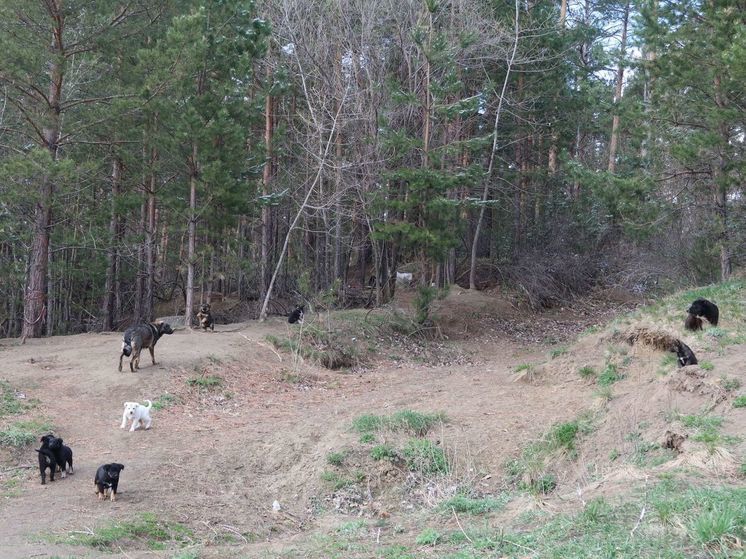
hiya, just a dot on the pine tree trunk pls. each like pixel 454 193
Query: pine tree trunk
pixel 112 255
pixel 267 177
pixel 35 292
pixel 192 234
pixel 613 143
pixel 150 231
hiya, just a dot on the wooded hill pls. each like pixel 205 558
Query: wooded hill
pixel 169 150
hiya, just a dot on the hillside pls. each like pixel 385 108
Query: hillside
pixel 503 434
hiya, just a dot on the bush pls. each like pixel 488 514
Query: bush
pixel 422 301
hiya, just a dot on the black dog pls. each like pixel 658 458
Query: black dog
pixel 684 353
pixel 46 460
pixel 141 336
pixel 296 315
pixel 205 317
pixel 107 480
pixel 693 323
pixel 63 454
pixel 705 308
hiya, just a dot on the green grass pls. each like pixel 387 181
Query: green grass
pixel 730 383
pixel 429 536
pixel 609 375
pixel 338 481
pixel 468 505
pixel 336 458
pixel 146 530
pixel 24 433
pixel 383 452
pixel 165 401
pixel 205 381
pixel 706 365
pixel 702 422
pixel 425 457
pixel 740 402
pixel 558 352
pixel 10 404
pixel 587 372
pixel 413 422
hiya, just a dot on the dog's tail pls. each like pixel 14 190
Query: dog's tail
pixel 150 404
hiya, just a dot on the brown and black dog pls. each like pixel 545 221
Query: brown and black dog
pixel 205 317
pixel 141 336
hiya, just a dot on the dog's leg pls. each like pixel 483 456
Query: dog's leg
pixel 71 471
pixel 148 421
pixel 152 353
pixel 99 490
pixel 113 491
pixel 120 362
pixel 134 424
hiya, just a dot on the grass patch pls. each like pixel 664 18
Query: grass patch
pixel 530 471
pixel 429 536
pixel 558 352
pixel 338 481
pixel 165 401
pixel 587 372
pixel 383 452
pixel 336 458
pixel 207 382
pixel 706 365
pixel 413 422
pixel 424 456
pixel 467 505
pixel 702 422
pixel 730 383
pixel 609 375
pixel 740 402
pixel 10 403
pixel 23 433
pixel 147 530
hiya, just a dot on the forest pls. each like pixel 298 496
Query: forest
pixel 170 152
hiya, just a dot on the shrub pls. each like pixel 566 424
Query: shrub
pixel 383 452
pixel 422 301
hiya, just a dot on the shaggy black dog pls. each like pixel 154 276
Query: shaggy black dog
pixel 684 354
pixel 46 460
pixel 107 480
pixel 296 315
pixel 705 308
pixel 63 454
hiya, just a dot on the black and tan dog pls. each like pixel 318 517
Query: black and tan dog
pixel 136 338
pixel 205 317
pixel 107 480
pixel 63 454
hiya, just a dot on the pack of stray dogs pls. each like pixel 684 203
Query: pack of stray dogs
pixel 55 456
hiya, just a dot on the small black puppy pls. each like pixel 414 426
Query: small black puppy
pixel 684 354
pixel 708 309
pixel 693 323
pixel 296 315
pixel 46 460
pixel 62 454
pixel 107 480
pixel 204 316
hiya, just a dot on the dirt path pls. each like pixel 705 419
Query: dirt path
pixel 216 463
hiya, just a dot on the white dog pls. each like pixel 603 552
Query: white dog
pixel 138 413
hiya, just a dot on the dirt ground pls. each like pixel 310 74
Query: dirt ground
pixel 218 459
